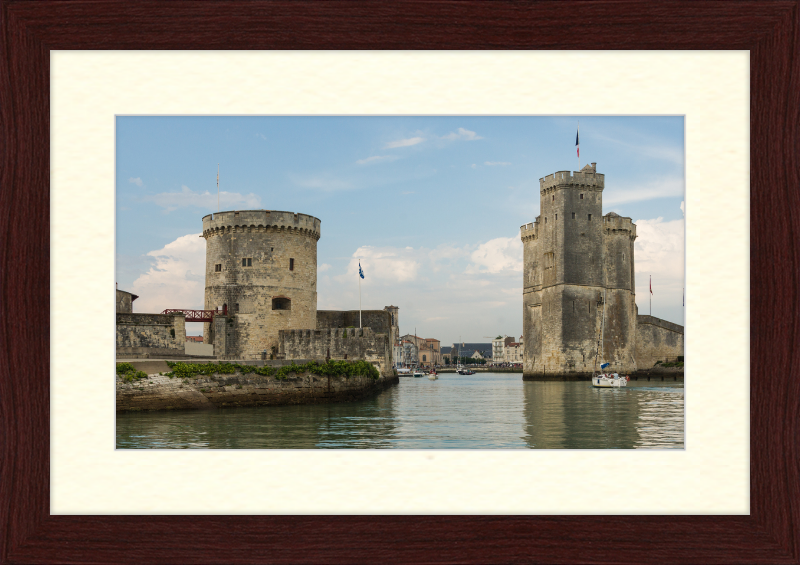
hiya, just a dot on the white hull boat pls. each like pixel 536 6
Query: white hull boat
pixel 612 380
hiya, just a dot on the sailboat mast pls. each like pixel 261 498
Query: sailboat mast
pixel 602 327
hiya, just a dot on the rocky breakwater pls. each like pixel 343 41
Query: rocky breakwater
pixel 183 386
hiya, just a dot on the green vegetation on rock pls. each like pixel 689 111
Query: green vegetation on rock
pixel 332 368
pixel 128 373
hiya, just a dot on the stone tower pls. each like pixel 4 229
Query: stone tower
pixel 573 258
pixel 261 272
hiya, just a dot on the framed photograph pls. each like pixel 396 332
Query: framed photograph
pixel 39 525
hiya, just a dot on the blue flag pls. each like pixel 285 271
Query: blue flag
pixel 360 272
pixel 604 365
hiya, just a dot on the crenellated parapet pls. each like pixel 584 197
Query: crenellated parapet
pixel 260 221
pixel 588 179
pixel 530 231
pixel 614 224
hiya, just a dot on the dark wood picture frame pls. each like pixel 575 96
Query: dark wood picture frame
pixel 770 30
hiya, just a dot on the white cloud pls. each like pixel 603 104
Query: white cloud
pixel 659 252
pixel 497 255
pixel 322 268
pixel 404 142
pixel 683 208
pixel 474 166
pixel 383 264
pixel 137 181
pixel 496 163
pixel 666 187
pixel 325 183
pixel 227 200
pixel 177 280
pixel 377 159
pixel 463 134
pixel 261 136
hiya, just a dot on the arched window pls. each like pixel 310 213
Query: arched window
pixel 281 303
pixel 424 358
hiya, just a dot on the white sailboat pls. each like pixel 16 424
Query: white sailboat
pixel 605 379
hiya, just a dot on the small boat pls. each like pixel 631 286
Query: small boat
pixel 609 380
pixel 418 374
pixel 465 371
pixel 403 372
pixel 433 376
pixel 606 379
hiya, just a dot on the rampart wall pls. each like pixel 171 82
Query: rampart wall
pixel 379 320
pixel 151 334
pixel 657 340
pixel 347 343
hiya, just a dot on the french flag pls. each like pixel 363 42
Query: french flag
pixel 577 142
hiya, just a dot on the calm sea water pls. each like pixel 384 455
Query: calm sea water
pixel 481 411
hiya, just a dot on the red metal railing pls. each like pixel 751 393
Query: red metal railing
pixel 194 315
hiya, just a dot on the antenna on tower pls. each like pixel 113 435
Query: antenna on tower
pixel 217 187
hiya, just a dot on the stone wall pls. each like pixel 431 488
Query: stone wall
pixel 151 334
pixel 261 265
pixel 223 391
pixel 657 340
pixel 125 301
pixel 379 320
pixel 348 343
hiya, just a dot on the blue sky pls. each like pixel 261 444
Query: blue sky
pixel 431 205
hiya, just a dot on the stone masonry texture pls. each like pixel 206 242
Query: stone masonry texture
pixel 261 268
pixel 577 266
pixel 347 343
pixel 150 334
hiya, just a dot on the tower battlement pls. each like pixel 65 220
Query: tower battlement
pixel 529 231
pixel 236 221
pixel 615 224
pixel 587 177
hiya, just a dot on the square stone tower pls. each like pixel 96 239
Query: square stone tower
pixel 578 265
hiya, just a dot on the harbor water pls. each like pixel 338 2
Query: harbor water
pixel 481 411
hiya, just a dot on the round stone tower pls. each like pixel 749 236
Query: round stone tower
pixel 261 273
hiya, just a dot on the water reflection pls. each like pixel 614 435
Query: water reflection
pixel 464 412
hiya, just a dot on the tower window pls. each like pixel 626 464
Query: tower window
pixel 545 219
pixel 590 217
pixel 581 196
pixel 556 216
pixel 573 215
pixel 281 303
pixel 218 268
pixel 236 308
pixel 291 264
pixel 247 261
pixel 554 198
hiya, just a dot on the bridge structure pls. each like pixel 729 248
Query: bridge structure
pixel 196 315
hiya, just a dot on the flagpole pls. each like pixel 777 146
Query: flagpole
pixel 217 187
pixel 651 295
pixel 359 294
pixel 578 138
